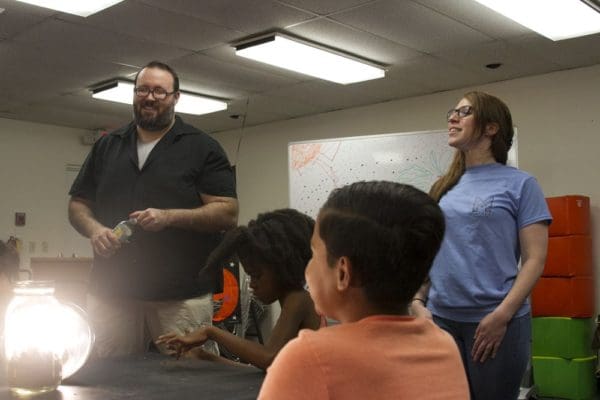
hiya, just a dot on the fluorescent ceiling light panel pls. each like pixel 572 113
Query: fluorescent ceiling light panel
pixel 192 104
pixel 189 103
pixel 82 8
pixel 307 59
pixel 555 19
pixel 119 92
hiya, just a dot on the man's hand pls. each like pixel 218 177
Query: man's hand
pixel 151 219
pixel 104 242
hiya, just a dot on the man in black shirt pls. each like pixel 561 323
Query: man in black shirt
pixel 177 184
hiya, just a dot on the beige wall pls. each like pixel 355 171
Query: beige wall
pixel 33 160
pixel 556 114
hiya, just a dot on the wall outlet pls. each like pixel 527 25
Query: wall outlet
pixel 32 247
pixel 20 219
pixel 44 247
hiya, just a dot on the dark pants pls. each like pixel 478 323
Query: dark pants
pixel 498 378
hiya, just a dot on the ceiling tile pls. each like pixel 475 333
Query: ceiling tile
pixel 351 40
pixel 285 106
pixel 67 40
pixel 259 118
pixel 478 17
pixel 570 53
pixel 325 7
pixel 212 73
pixel 516 61
pixel 31 79
pixel 16 18
pixel 250 16
pixel 212 122
pixel 438 75
pixel 24 8
pixel 67 116
pixel 396 85
pixel 324 95
pixel 84 102
pixel 223 121
pixel 158 25
pixel 411 25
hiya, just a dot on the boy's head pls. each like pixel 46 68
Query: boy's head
pixel 379 237
pixel 274 249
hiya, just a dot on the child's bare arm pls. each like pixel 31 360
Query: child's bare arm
pixel 297 312
pixel 419 301
pixel 294 311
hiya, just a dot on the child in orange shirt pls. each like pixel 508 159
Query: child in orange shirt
pixel 373 245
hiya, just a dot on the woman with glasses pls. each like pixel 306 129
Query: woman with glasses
pixel 496 216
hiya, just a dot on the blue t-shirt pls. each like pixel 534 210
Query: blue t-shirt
pixel 478 261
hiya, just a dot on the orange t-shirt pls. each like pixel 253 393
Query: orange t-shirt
pixel 379 357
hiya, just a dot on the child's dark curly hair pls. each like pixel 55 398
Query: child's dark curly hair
pixel 278 240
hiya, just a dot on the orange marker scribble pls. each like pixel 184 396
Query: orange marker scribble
pixel 304 154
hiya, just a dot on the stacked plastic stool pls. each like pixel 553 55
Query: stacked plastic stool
pixel 562 303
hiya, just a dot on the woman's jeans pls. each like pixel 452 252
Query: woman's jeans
pixel 497 378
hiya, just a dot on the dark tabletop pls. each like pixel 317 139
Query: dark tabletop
pixel 155 377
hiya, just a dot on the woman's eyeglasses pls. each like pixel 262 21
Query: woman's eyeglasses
pixel 462 112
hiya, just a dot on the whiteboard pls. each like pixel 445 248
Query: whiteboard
pixel 414 158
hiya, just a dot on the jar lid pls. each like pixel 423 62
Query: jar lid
pixel 33 287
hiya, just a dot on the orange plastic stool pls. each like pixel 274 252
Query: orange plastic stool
pixel 570 214
pixel 569 256
pixel 563 297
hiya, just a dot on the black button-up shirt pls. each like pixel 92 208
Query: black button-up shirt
pixel 169 264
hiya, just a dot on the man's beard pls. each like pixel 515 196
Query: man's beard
pixel 155 123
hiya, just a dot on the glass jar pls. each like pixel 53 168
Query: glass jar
pixel 124 230
pixel 33 344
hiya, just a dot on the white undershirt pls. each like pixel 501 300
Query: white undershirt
pixel 143 150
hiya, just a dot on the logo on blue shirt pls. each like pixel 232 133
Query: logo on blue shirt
pixel 482 207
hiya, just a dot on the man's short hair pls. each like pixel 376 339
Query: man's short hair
pixel 164 67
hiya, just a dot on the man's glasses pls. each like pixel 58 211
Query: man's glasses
pixel 462 112
pixel 158 92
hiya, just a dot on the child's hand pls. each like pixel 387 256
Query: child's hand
pixel 201 354
pixel 173 343
pixel 179 344
pixel 418 309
